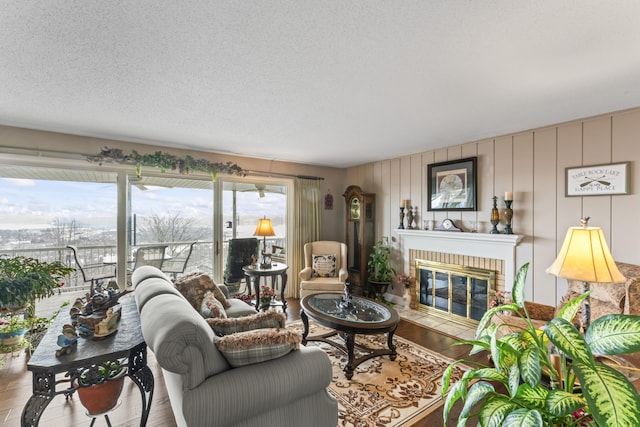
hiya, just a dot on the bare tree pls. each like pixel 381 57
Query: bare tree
pixel 170 228
pixel 64 231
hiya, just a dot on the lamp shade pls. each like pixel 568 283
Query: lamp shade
pixel 264 228
pixel 585 256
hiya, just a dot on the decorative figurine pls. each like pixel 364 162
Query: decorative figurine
pixel 109 325
pixel 409 218
pixel 495 217
pixel 345 301
pixel 68 340
pixel 95 311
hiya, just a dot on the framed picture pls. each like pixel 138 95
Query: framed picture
pixel 597 180
pixel 452 185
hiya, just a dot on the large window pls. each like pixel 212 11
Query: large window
pixel 43 209
pixel 174 217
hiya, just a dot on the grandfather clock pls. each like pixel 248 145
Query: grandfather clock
pixel 360 234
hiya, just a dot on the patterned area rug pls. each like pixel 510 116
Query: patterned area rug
pixel 382 392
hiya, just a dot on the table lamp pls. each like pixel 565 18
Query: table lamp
pixel 265 229
pixel 585 256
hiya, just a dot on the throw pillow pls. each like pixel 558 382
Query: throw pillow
pixel 324 265
pixel 195 285
pixel 245 348
pixel 262 320
pixel 211 307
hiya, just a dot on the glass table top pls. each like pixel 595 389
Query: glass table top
pixel 361 311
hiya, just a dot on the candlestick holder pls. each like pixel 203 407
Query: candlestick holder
pixel 508 216
pixel 410 218
pixel 401 227
pixel 495 217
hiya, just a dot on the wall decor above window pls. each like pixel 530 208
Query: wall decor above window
pixel 165 162
pixel 452 185
pixel 597 180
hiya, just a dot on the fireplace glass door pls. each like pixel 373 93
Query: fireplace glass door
pixel 454 291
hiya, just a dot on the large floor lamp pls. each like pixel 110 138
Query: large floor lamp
pixel 585 256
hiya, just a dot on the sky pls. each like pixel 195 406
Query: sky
pixel 34 204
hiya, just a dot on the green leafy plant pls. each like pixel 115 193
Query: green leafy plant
pixel 106 371
pixel 379 265
pixel 23 280
pixel 166 162
pixel 14 324
pixel 583 391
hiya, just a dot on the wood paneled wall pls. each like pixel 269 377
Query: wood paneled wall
pixel 532 165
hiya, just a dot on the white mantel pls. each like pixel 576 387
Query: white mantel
pixel 497 246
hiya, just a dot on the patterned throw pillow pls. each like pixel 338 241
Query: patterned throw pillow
pixel 262 320
pixel 211 307
pixel 245 348
pixel 195 285
pixel 324 265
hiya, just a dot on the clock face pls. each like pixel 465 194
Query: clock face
pixel 355 209
pixel 447 224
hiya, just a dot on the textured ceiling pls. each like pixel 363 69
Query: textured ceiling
pixel 333 83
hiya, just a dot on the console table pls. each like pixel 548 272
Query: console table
pixel 126 343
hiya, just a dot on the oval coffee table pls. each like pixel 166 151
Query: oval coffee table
pixel 365 316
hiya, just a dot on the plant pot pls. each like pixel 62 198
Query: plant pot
pixel 379 288
pixel 100 398
pixel 12 338
pixel 265 303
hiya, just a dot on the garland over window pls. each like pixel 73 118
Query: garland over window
pixel 165 162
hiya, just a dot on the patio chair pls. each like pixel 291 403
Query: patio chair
pixel 150 255
pixel 146 255
pixel 95 272
pixel 239 255
pixel 178 264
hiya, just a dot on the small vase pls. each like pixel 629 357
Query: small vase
pixel 265 302
pixel 407 298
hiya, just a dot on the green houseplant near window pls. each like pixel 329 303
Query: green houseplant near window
pixel 593 394
pixel 380 272
pixel 23 280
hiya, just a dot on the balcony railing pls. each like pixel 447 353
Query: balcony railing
pixel 201 259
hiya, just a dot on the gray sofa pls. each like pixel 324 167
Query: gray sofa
pixel 205 390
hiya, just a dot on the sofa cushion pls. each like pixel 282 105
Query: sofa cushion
pixel 238 308
pixel 262 320
pixel 195 285
pixel 605 298
pixel 324 265
pixel 245 348
pixel 211 307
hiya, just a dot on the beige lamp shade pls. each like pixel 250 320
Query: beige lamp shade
pixel 585 256
pixel 264 228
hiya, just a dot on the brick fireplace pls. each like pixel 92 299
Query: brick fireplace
pixel 489 252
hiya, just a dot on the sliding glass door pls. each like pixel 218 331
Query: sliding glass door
pixel 170 224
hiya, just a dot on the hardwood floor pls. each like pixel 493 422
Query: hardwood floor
pixel 15 386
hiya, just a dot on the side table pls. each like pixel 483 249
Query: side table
pixel 127 343
pixel 277 270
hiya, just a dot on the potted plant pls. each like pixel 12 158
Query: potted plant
pixel 23 280
pixel 380 272
pixel 99 387
pixel 266 295
pixel 582 390
pixel 12 331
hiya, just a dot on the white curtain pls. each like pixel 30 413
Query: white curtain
pixel 307 202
